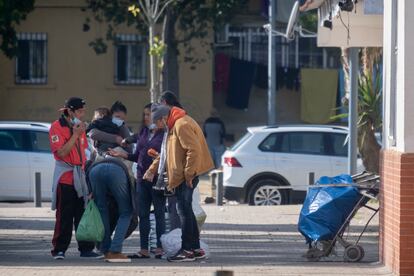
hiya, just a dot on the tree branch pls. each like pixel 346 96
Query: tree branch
pixel 157 4
pixel 163 8
pixel 144 8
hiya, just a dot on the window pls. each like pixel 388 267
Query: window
pixel 31 61
pixel 12 140
pixel 271 143
pixel 306 143
pixel 295 142
pixel 302 143
pixel 40 141
pixel 250 43
pixel 241 141
pixel 339 145
pixel 130 59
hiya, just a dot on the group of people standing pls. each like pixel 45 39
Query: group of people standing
pixel 171 152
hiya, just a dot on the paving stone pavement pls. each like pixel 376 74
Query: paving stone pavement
pixel 245 239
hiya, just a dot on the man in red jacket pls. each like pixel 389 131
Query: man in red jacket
pixel 68 143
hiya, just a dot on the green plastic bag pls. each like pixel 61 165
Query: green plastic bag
pixel 91 227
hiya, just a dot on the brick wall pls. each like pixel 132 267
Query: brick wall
pixel 397 211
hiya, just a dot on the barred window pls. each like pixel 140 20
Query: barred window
pixel 130 59
pixel 31 60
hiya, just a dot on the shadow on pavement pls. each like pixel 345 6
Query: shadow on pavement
pixel 27 243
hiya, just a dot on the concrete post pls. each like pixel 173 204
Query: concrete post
pixel 311 178
pixel 38 190
pixel 219 189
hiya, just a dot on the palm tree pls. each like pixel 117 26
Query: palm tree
pixel 369 105
pixel 369 120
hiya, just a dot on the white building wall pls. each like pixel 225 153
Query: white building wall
pixel 388 56
pixel 401 77
pixel 365 30
pixel 408 92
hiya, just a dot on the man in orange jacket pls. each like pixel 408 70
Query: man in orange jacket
pixel 185 155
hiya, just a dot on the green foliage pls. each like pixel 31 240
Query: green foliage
pixel 157 49
pixel 192 17
pixel 369 102
pixel 309 20
pixel 99 46
pixel 113 13
pixel 12 12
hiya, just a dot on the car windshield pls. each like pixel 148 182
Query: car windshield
pixel 241 141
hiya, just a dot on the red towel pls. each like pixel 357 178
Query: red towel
pixel 222 71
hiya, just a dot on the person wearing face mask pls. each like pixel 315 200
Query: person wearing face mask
pixel 148 140
pixel 169 99
pixel 184 156
pixel 70 191
pixel 118 114
pixel 105 122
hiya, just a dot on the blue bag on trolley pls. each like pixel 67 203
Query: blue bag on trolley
pixel 326 208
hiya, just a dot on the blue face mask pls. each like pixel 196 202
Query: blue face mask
pixel 75 121
pixel 117 121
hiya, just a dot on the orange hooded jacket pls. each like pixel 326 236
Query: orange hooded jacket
pixel 188 155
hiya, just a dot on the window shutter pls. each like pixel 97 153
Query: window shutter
pixel 121 62
pixel 23 59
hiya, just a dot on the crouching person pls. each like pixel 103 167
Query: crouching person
pixel 110 176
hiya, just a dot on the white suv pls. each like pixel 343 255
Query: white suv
pixel 271 165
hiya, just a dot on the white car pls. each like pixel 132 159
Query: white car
pixel 25 150
pixel 271 165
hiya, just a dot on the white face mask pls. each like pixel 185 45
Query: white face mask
pixel 117 121
pixel 75 121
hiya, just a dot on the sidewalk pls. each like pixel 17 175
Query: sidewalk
pixel 247 240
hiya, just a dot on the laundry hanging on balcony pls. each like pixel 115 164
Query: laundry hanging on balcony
pixel 240 83
pixel 318 95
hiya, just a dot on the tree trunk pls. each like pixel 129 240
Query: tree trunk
pixel 369 148
pixel 153 67
pixel 170 74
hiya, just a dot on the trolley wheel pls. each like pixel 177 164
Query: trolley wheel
pixel 354 253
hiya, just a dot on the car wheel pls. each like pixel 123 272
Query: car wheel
pixel 268 192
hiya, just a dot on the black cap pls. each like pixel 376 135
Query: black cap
pixel 74 103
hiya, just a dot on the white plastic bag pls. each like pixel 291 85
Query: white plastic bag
pixel 171 243
pixel 199 213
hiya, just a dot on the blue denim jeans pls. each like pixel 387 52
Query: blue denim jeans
pixel 175 220
pixel 216 154
pixel 190 233
pixel 146 196
pixel 111 178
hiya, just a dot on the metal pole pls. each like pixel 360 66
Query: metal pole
pixel 297 52
pixel 38 190
pixel 249 45
pixel 311 178
pixel 219 189
pixel 353 111
pixel 271 93
pixel 213 179
pixel 324 58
